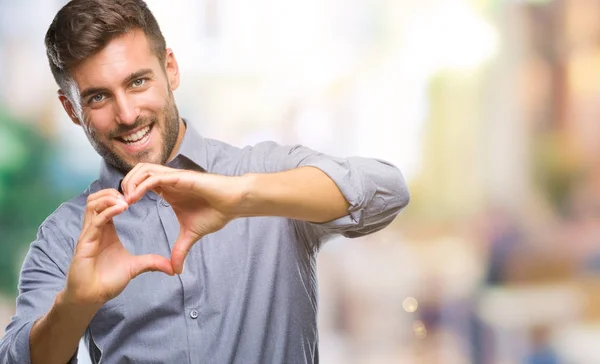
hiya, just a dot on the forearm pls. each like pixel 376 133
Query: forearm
pixel 55 337
pixel 304 193
pixel 375 190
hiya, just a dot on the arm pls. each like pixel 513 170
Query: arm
pixel 54 308
pixel 353 196
pixel 375 190
pixel 42 278
pixel 56 335
pixel 304 193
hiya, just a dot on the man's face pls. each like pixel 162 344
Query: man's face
pixel 123 99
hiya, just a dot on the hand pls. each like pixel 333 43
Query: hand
pixel 203 202
pixel 101 266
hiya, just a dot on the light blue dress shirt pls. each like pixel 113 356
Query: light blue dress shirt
pixel 247 294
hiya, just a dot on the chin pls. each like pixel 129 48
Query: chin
pixel 142 159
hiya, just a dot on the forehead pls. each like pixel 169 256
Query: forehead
pixel 122 56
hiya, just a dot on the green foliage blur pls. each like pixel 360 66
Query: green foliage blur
pixel 26 194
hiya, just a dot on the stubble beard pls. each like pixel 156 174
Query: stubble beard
pixel 169 133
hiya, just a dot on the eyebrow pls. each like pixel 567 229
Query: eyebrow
pixel 132 77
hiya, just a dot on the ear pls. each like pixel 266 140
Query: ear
pixel 172 69
pixel 68 106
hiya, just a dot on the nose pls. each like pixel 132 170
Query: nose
pixel 126 111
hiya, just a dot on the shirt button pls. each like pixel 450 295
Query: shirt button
pixel 194 314
pixel 164 203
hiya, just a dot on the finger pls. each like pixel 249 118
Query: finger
pixel 101 202
pixel 150 263
pixel 98 221
pixel 105 202
pixel 89 240
pixel 140 171
pixel 103 192
pixel 179 179
pixel 155 181
pixel 180 250
pixel 128 176
pixel 137 175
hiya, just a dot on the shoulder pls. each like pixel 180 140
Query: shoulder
pixel 223 148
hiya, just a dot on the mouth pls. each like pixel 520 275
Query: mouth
pixel 138 139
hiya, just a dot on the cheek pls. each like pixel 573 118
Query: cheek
pixel 153 100
pixel 100 121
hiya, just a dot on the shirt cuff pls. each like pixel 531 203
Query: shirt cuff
pixel 20 349
pixel 357 191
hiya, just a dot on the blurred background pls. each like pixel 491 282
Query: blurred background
pixel 489 107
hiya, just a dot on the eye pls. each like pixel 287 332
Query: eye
pixel 97 98
pixel 139 82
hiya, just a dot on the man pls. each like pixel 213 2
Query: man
pixel 242 227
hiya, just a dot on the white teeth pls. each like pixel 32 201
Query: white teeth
pixel 135 137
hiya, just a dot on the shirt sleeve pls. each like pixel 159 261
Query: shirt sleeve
pixel 375 189
pixel 42 276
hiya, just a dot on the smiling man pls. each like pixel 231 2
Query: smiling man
pixel 227 238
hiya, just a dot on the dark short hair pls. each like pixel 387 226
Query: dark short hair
pixel 82 28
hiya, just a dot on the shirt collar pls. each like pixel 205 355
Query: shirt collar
pixel 192 155
pixel 192 151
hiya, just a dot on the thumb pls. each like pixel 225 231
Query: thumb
pixel 182 246
pixel 150 262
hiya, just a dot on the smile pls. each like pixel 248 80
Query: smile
pixel 137 138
